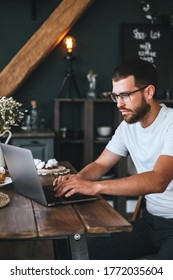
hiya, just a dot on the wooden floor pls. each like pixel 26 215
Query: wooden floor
pixel 26 250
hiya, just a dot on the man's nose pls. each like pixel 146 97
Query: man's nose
pixel 120 103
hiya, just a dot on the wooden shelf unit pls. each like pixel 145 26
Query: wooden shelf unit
pixel 81 117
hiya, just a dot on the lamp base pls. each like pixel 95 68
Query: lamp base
pixel 69 78
pixel 69 82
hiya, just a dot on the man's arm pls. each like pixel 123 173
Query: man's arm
pixel 95 170
pixel 154 181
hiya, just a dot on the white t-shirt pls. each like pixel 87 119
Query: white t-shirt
pixel 145 145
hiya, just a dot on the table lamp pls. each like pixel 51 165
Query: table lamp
pixel 69 78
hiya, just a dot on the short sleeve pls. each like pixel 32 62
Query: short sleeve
pixel 116 144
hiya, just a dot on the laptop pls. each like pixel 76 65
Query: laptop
pixel 26 181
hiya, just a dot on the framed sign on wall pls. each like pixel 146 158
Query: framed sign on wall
pixel 154 44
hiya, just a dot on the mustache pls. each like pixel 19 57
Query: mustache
pixel 125 109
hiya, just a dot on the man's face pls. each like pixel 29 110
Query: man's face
pixel 133 107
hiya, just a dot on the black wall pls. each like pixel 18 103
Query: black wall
pixel 98 48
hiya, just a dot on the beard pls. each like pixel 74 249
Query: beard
pixel 138 113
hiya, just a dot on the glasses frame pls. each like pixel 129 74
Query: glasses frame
pixel 125 97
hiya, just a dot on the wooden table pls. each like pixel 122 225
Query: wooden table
pixel 67 225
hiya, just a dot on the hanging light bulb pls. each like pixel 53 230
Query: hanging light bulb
pixel 69 42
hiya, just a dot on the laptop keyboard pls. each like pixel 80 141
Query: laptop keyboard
pixel 50 197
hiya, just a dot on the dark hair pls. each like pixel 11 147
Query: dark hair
pixel 144 72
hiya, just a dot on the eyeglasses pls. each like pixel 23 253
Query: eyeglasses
pixel 125 96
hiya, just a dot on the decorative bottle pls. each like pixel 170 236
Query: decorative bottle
pixel 34 115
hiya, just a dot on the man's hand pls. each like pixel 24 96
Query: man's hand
pixel 71 184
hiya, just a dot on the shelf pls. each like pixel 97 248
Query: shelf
pixel 83 100
pixel 165 100
pixel 33 134
pixel 71 141
pixel 83 116
pixel 102 139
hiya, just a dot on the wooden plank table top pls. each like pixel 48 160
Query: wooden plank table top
pixel 17 218
pixel 100 217
pixel 24 218
pixel 57 221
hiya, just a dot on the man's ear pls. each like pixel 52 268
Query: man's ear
pixel 150 90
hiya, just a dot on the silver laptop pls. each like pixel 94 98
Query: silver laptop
pixel 26 181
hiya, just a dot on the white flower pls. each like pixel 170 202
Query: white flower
pixel 10 112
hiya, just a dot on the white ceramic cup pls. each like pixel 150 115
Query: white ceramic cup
pixel 104 130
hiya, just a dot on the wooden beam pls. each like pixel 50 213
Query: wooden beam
pixel 41 44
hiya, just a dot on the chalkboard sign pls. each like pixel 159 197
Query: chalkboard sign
pixel 154 44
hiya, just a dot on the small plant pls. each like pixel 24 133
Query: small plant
pixel 10 113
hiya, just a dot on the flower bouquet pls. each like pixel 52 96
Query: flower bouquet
pixel 10 113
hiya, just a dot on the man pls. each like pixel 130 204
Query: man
pixel 147 135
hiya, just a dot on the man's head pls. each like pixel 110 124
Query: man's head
pixel 134 85
pixel 144 72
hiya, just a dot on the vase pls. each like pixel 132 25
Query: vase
pixel 2 162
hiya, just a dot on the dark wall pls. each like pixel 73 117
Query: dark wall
pixel 98 48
